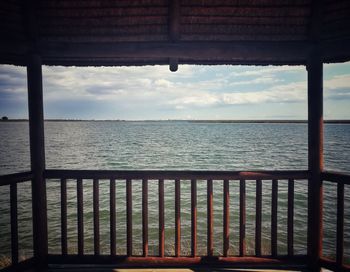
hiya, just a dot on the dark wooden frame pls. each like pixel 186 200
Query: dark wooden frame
pixel 311 53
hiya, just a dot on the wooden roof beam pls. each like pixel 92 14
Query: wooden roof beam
pixel 316 21
pixel 189 52
pixel 30 23
pixel 200 51
pixel 174 29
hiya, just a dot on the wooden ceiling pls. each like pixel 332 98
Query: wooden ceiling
pixel 142 32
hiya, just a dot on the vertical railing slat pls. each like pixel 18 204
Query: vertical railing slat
pixel 64 247
pixel 210 248
pixel 258 218
pixel 193 217
pixel 274 201
pixel 177 219
pixel 145 217
pixel 226 231
pixel 96 217
pixel 129 217
pixel 242 218
pixel 80 217
pixel 340 224
pixel 112 216
pixel 161 217
pixel 14 222
pixel 290 223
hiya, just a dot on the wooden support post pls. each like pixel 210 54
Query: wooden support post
pixel 37 157
pixel 315 135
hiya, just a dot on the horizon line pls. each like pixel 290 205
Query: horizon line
pixel 183 120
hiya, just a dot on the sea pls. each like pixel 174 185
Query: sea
pixel 172 145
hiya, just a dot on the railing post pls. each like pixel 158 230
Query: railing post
pixel 315 157
pixel 37 156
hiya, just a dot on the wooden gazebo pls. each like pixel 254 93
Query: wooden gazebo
pixel 173 32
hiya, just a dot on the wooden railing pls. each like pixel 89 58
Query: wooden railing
pixel 341 180
pixel 177 177
pixel 12 180
pixel 258 258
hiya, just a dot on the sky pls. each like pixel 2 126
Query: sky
pixel 193 92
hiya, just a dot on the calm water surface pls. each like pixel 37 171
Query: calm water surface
pixel 172 146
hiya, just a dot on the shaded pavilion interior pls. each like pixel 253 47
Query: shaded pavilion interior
pixel 175 32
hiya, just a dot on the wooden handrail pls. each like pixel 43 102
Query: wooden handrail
pixel 174 175
pixel 337 177
pixel 15 178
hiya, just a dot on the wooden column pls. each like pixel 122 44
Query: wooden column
pixel 315 141
pixel 37 157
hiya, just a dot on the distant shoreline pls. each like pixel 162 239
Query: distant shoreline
pixel 192 121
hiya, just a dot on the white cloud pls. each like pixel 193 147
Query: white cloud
pixel 258 80
pixel 163 83
pixel 337 82
pixel 155 86
pixel 267 70
pixel 158 85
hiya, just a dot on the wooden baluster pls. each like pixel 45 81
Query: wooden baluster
pixel 145 217
pixel 258 218
pixel 177 219
pixel 210 249
pixel 290 224
pixel 340 224
pixel 14 223
pixel 128 217
pixel 80 217
pixel 226 231
pixel 161 218
pixel 274 201
pixel 64 247
pixel 96 217
pixel 112 216
pixel 242 218
pixel 193 218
